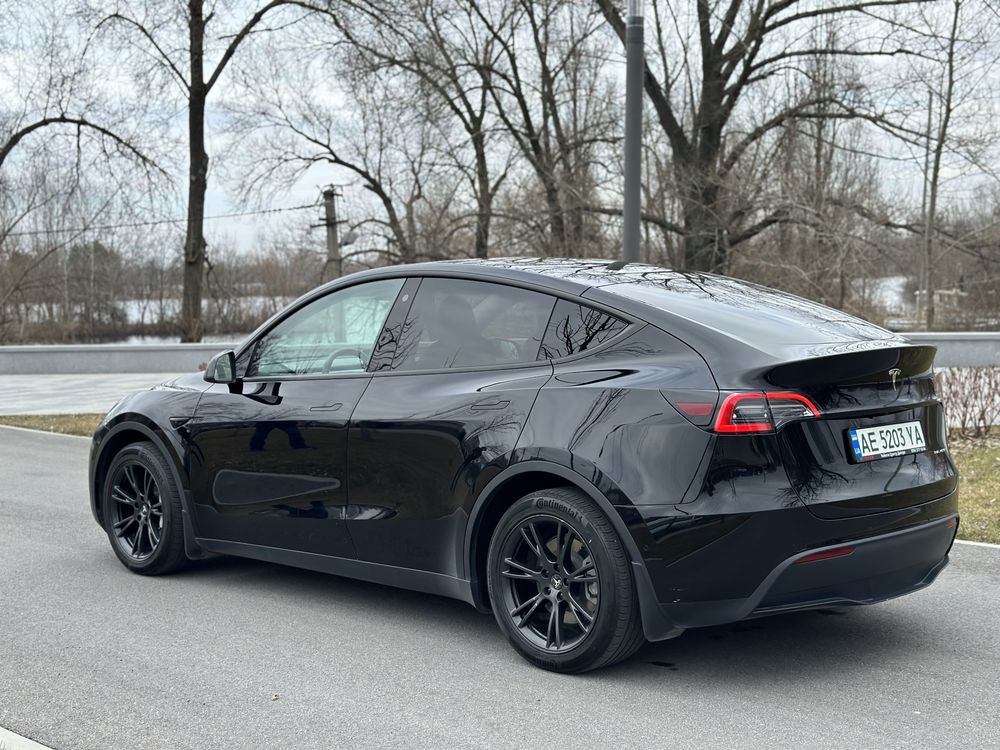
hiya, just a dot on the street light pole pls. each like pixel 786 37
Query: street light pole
pixel 634 71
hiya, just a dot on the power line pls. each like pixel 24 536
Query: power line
pixel 156 222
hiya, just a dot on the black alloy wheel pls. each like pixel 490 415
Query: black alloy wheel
pixel 137 510
pixel 560 583
pixel 551 584
pixel 142 511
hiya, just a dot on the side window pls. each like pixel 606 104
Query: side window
pixel 576 328
pixel 458 323
pixel 334 334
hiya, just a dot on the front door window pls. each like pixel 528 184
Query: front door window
pixel 335 334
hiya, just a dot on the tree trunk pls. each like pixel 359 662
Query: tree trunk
pixel 192 328
pixel 484 199
pixel 557 227
pixel 935 176
pixel 484 214
pixel 705 240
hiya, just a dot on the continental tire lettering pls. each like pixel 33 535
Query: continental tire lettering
pixel 543 503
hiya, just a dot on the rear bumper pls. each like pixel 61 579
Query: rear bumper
pixel 878 568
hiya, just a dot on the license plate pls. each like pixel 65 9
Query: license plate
pixel 885 441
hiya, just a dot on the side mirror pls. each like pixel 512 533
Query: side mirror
pixel 222 368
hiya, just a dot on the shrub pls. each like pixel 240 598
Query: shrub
pixel 971 397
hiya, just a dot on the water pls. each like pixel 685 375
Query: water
pixel 218 338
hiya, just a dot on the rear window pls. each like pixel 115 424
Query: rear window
pixel 757 315
pixel 458 323
pixel 575 328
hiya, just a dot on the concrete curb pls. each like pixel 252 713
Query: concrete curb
pixel 988 545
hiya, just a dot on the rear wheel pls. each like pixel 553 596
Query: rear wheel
pixel 561 585
pixel 142 511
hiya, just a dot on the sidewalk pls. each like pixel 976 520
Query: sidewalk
pixel 70 394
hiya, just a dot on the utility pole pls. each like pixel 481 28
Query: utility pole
pixel 634 72
pixel 334 266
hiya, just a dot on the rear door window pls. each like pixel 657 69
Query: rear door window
pixel 455 323
pixel 575 328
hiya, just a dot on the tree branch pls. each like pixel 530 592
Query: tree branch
pixel 79 122
pixel 649 218
pixel 237 39
pixel 164 57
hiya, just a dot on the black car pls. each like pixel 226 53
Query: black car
pixel 598 453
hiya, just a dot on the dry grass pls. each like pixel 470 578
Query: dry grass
pixel 978 462
pixel 979 494
pixel 71 424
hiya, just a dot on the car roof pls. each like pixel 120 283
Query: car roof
pixel 570 275
pixel 717 315
pixel 679 299
pixel 728 305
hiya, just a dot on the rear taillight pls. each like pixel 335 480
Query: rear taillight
pixel 762 412
pixel 744 412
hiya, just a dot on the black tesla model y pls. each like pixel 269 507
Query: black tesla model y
pixel 598 453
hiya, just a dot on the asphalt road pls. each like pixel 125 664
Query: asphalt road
pixel 238 654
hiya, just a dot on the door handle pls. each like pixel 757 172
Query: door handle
pixel 496 404
pixel 328 407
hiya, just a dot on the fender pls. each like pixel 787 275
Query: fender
pixel 154 433
pixel 655 624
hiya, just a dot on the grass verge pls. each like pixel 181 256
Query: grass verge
pixel 70 424
pixel 978 463
pixel 979 493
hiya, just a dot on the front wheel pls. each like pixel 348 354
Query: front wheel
pixel 142 511
pixel 561 585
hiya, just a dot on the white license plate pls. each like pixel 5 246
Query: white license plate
pixel 886 440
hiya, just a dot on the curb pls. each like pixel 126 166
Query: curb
pixel 41 432
pixel 988 545
pixel 11 741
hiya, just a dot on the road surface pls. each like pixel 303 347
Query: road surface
pixel 237 654
pixel 70 394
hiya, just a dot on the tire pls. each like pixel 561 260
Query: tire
pixel 139 486
pixel 561 585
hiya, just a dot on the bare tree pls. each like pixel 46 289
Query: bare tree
pixel 552 95
pixel 439 47
pixel 822 168
pixel 946 104
pixel 957 74
pixel 385 140
pixel 707 63
pixel 70 155
pixel 177 41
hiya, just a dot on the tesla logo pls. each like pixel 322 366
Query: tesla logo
pixel 894 373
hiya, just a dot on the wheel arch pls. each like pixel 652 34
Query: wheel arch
pixel 529 476
pixel 127 430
